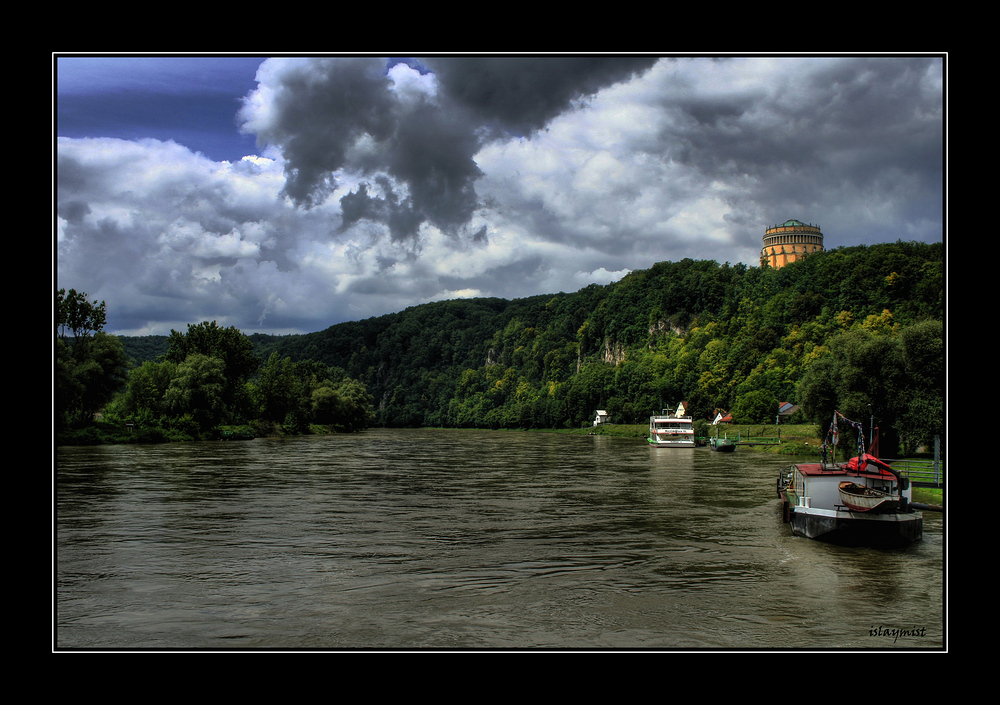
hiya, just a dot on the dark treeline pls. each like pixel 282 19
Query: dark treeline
pixel 841 329
pixel 205 383
pixel 856 329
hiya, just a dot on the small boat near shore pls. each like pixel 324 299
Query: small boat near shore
pixel 722 445
pixel 860 498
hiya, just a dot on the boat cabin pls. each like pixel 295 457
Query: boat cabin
pixel 821 483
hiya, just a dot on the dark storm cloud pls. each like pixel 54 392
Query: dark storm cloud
pixel 358 205
pixel 319 110
pixel 855 130
pixel 433 156
pixel 846 106
pixel 519 95
pixel 343 115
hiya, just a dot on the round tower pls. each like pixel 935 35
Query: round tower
pixel 790 241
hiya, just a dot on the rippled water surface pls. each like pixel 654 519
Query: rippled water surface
pixel 463 540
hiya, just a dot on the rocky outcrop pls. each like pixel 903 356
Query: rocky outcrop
pixel 614 352
pixel 664 325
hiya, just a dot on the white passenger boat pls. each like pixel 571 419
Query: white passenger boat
pixel 671 431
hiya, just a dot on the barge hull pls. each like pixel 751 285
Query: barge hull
pixel 849 529
pixel 846 528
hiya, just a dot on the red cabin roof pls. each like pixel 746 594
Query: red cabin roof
pixel 816 469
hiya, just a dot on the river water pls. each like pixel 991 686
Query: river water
pixel 436 539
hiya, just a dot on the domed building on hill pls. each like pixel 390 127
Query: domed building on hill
pixel 790 241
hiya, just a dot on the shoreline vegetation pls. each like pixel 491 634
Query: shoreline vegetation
pixel 797 440
pixel 856 330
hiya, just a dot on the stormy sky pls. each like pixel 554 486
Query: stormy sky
pixel 284 195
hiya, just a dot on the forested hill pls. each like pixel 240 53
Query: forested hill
pixel 717 336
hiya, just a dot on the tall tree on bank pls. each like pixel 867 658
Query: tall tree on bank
pixel 76 315
pixel 231 348
pixel 228 344
pixel 296 394
pixel 198 390
pixel 878 377
pixel 91 366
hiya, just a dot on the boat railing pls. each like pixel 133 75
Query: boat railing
pixel 920 471
pixel 742 440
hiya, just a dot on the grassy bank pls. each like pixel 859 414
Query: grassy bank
pixel 613 429
pixel 929 495
pixel 800 440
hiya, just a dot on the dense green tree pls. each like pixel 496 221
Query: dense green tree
pixel 87 376
pixel 355 406
pixel 68 389
pixel 923 413
pixel 817 391
pixel 145 393
pixel 90 365
pixel 198 390
pixel 295 394
pixel 760 406
pixel 204 379
pixel 277 390
pixel 870 371
pixel 229 345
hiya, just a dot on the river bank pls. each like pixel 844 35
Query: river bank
pixel 797 440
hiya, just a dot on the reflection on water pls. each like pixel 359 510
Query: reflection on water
pixel 459 539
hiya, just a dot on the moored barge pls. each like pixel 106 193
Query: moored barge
pixel 862 502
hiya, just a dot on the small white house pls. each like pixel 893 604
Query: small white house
pixel 722 417
pixel 602 417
